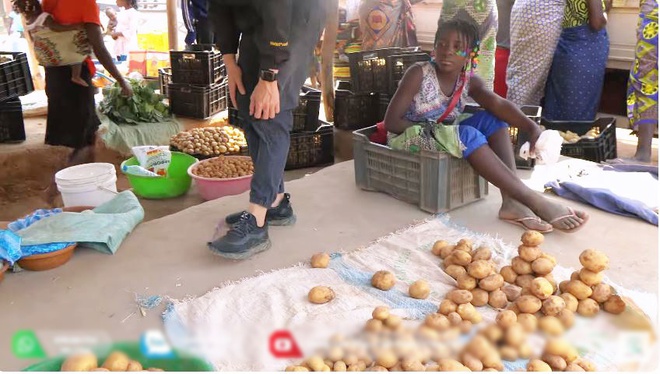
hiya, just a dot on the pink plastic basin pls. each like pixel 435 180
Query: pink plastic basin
pixel 213 188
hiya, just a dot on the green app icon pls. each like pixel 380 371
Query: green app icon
pixel 25 345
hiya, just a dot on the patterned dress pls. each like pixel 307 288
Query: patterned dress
pixel 535 31
pixel 576 78
pixel 484 12
pixel 643 82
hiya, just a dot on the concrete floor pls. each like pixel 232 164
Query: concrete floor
pixel 168 256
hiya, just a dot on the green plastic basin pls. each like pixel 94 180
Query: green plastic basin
pixel 176 183
pixel 178 362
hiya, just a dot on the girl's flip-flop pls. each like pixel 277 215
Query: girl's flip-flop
pixel 521 222
pixel 571 213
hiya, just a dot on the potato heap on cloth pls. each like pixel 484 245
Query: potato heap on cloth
pixel 559 355
pixel 530 263
pixel 585 293
pixel 474 271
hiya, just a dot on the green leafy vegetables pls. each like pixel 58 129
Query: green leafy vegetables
pixel 144 106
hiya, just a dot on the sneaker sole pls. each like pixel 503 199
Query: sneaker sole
pixel 290 221
pixel 244 255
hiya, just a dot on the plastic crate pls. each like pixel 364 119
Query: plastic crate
pixel 197 67
pixel 355 111
pixel 306 115
pixel 597 150
pixel 397 66
pixel 12 128
pixel 198 101
pixel 310 149
pixel 369 70
pixel 435 181
pixel 164 79
pixel 15 77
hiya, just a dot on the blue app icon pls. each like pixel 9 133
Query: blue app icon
pixel 154 345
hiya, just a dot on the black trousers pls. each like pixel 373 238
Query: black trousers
pixel 269 140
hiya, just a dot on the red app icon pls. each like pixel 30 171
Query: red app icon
pixel 283 345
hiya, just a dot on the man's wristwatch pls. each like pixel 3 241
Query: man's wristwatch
pixel 268 75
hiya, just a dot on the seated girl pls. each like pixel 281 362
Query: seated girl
pixel 426 112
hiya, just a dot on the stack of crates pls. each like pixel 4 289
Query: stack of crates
pixel 312 140
pixel 15 81
pixel 199 85
pixel 375 76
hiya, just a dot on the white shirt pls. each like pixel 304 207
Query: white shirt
pixel 128 21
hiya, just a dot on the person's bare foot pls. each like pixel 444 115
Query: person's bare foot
pixel 516 213
pixel 630 161
pixel 79 81
pixel 561 217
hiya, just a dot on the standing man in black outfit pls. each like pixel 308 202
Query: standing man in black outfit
pixel 274 40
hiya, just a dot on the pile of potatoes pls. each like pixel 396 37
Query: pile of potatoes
pixel 116 361
pixel 479 354
pixel 530 263
pixel 210 141
pixel 224 167
pixel 585 293
pixel 473 270
pixel 559 355
pixel 508 336
pixel 458 309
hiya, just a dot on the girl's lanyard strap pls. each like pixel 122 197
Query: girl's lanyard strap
pixel 455 98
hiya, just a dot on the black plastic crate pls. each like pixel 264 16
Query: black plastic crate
pixel 12 128
pixel 397 66
pixel 198 101
pixel 369 70
pixel 310 149
pixel 354 111
pixel 15 77
pixel 164 79
pixel 197 67
pixel 306 115
pixel 600 149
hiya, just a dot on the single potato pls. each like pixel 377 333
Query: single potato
pixel 553 305
pixel 460 296
pixel 80 362
pixel 479 269
pixel 578 289
pixel 479 297
pixel 512 292
pixel 466 282
pixel 615 305
pixel 556 362
pixel 437 321
pixel 460 258
pixel 383 280
pixel 447 306
pixel 532 238
pixel 508 274
pixel 520 266
pixel 455 271
pixel 551 325
pixel 594 260
pixel 381 313
pixel 524 281
pixel 374 325
pixel 116 361
pixel 570 301
pixel 529 322
pixel 497 299
pixel 529 254
pixel 588 308
pixel 446 251
pixel 567 318
pixel 320 260
pixel 506 319
pixel 482 253
pixel 537 365
pixel 468 313
pixel 491 282
pixel 438 246
pixel 602 292
pixel 321 294
pixel 541 288
pixel 529 304
pixel 134 366
pixel 420 289
pixel 508 353
pixel 542 266
pixel 590 278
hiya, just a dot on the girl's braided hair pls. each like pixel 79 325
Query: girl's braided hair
pixel 26 6
pixel 467 29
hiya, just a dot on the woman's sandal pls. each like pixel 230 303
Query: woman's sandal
pixel 571 213
pixel 521 222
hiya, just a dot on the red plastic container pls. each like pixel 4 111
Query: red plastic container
pixel 214 188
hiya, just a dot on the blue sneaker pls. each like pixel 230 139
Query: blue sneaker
pixel 244 240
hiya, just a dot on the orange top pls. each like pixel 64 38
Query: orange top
pixel 73 11
pixel 69 12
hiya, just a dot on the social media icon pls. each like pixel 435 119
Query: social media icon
pixel 25 345
pixel 282 344
pixel 154 345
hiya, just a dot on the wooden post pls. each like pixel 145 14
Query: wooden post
pixel 327 59
pixel 172 30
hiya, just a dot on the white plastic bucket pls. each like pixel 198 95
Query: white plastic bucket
pixel 87 184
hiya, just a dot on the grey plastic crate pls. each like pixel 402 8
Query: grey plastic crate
pixel 436 181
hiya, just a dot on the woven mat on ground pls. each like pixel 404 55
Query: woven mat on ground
pixel 231 325
pixel 122 138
